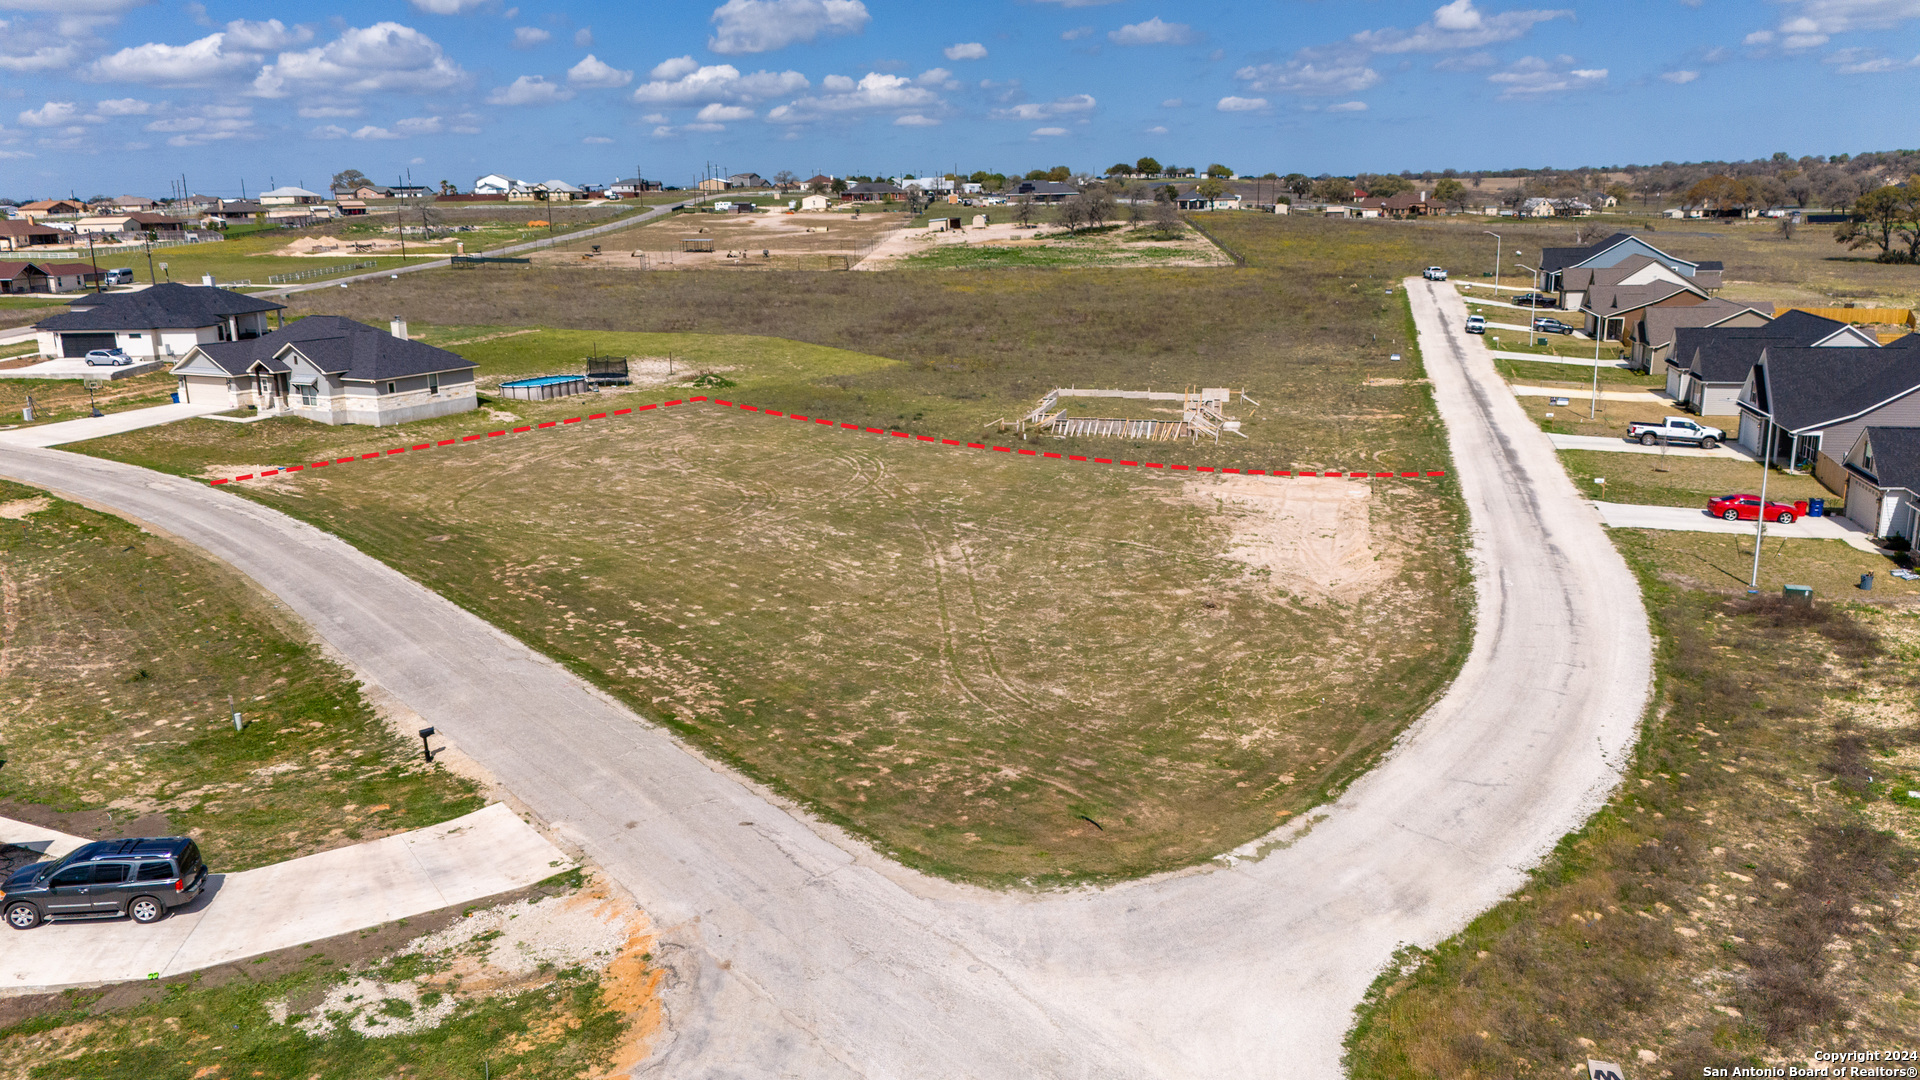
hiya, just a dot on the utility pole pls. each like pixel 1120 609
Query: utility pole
pixel 1760 519
pixel 1496 261
pixel 98 287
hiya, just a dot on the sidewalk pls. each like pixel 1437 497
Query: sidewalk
pixel 1571 361
pixel 483 854
pixel 1643 397
pixel 96 427
pixel 1688 519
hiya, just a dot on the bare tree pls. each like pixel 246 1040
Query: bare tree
pixel 1099 205
pixel 1023 211
pixel 1072 213
pixel 1786 227
pixel 1166 217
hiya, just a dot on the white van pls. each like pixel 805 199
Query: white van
pixel 121 276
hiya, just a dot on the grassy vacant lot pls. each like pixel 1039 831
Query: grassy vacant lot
pixel 118 654
pixel 1747 898
pixel 448 995
pixel 67 399
pixel 962 657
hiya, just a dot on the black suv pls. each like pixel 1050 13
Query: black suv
pixel 143 879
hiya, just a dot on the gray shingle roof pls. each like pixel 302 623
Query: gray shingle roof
pixel 1662 323
pixel 1807 388
pixel 1896 457
pixel 1726 354
pixel 170 306
pixel 361 353
pixel 1553 259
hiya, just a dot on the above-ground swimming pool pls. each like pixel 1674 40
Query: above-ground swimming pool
pixel 544 387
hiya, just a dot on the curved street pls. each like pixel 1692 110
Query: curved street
pixel 796 952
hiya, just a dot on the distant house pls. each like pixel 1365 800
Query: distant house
pixel 237 211
pixel 352 207
pixel 1809 405
pixel 495 184
pixel 1574 282
pixel 131 203
pixel 1044 191
pixel 1536 207
pixel 872 191
pixel 629 188
pixel 1883 482
pixel 291 196
pixel 1557 263
pixel 1193 200
pixel 52 208
pixel 332 370
pixel 1405 205
pixel 155 323
pixel 130 227
pixel 383 191
pixel 816 202
pixel 20 235
pixel 559 191
pixel 819 180
pixel 47 277
pixel 713 183
pixel 1709 364
pixel 747 180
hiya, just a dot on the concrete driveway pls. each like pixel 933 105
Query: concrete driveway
pixel 99 427
pixel 1691 519
pixel 1610 444
pixel 796 951
pixel 482 854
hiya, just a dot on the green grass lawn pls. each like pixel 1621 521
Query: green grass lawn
pixel 1683 481
pixel 55 400
pixel 122 652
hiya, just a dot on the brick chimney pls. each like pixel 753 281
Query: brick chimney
pixel 399 328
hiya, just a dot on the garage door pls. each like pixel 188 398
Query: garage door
pixel 81 344
pixel 1863 505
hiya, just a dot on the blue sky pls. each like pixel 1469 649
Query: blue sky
pixel 106 96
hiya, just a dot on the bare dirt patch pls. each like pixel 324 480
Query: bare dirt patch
pixel 1312 537
pixel 22 508
pixel 1116 247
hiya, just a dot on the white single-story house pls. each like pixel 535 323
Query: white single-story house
pixel 815 203
pixel 156 323
pixel 331 370
pixel 495 184
pixel 291 196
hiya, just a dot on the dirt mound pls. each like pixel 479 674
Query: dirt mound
pixel 1313 535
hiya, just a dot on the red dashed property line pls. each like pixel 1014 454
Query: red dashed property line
pixel 1332 474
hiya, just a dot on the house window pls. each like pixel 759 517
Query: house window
pixel 390 387
pixel 309 395
pixel 433 385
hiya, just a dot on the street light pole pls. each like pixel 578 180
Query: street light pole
pixel 1593 405
pixel 1496 261
pixel 1760 522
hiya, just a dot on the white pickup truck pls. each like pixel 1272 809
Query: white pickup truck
pixel 1434 273
pixel 1676 430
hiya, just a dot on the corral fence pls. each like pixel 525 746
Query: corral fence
pixel 317 272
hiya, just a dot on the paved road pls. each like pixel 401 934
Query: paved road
pixel 505 252
pixel 477 855
pixel 1696 519
pixel 796 952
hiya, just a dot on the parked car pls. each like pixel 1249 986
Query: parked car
pixel 108 358
pixel 1747 508
pixel 1434 273
pixel 1476 324
pixel 122 275
pixel 142 879
pixel 1546 325
pixel 1676 429
pixel 1536 300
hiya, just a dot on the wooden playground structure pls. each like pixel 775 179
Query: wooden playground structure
pixel 1202 415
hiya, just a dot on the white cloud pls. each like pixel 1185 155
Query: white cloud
pixel 1076 33
pixel 41 58
pixel 1819 20
pixel 529 90
pixel 1865 62
pixel 526 37
pixel 669 70
pixel 264 36
pixel 15 155
pixel 1172 103
pixel 1680 78
pixel 596 140
pixel 1758 37
pixel 384 57
pixel 703 127
pixel 1049 132
pixel 1157 129
pixel 593 71
pixel 966 50
pixel 448 7
pixel 654 118
pixel 328 131
pixel 195 63
pixel 1458 25
pixel 1312 71
pixel 715 82
pixel 664 132
pixel 1152 32
pixel 717 113
pixel 420 125
pixel 371 132
pixel 1241 104
pixel 873 91
pixel 1046 110
pixel 213 123
pixel 1348 106
pixel 937 77
pixel 1466 62
pixel 327 112
pixel 915 120
pixel 754 26
pixel 52 114
pixel 1531 76
pixel 583 38
pixel 123 107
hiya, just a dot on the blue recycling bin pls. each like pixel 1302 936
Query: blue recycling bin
pixel 175 396
pixel 1816 508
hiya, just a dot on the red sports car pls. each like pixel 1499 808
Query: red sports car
pixel 1747 508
